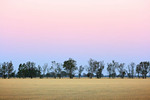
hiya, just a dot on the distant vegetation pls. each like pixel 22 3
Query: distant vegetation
pixel 69 69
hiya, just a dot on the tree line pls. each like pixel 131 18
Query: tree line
pixel 69 69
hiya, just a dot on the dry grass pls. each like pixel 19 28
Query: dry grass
pixel 75 89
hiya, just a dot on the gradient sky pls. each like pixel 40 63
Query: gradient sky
pixel 46 30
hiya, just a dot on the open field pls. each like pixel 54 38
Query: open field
pixel 75 89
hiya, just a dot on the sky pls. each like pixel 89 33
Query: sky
pixel 47 30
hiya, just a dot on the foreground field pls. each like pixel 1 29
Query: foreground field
pixel 75 89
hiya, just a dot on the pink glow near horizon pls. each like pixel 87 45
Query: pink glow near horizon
pixel 99 27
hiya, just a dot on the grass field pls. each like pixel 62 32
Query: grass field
pixel 75 89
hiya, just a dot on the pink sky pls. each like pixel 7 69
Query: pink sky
pixel 45 30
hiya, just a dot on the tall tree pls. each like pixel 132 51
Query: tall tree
pixel 131 68
pixel 59 69
pixel 93 65
pixel 111 69
pixel 138 70
pixel 20 73
pixel 100 68
pixel 56 69
pixel 53 69
pixel 144 66
pixel 4 70
pixel 23 71
pixel 70 66
pixel 121 69
pixel 32 69
pixel 27 70
pixel 10 69
pixel 81 68
pixel 39 71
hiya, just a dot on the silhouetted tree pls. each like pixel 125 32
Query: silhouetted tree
pixel 121 69
pixel 10 69
pixel 20 74
pixel 59 70
pixel 144 68
pixel 111 69
pixel 27 70
pixel 93 65
pixel 95 68
pixel 39 71
pixel 131 69
pixel 70 66
pixel 81 68
pixel 4 70
pixel 22 71
pixel 32 69
pixel 53 69
pixel 89 72
pixel 99 69
pixel 138 70
pixel 56 68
